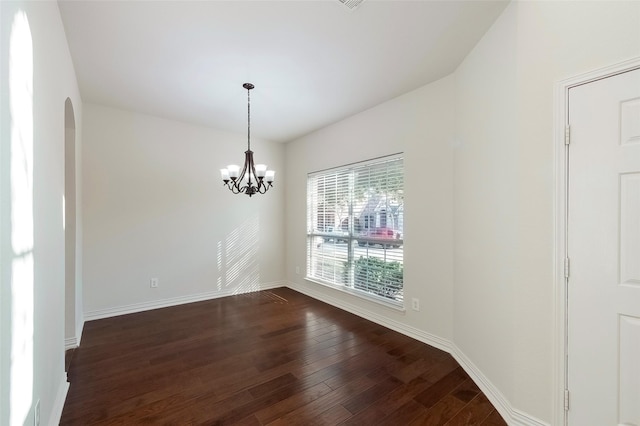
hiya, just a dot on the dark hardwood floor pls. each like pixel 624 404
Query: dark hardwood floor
pixel 272 357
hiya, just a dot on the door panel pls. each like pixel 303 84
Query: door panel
pixel 629 369
pixel 630 228
pixel 604 251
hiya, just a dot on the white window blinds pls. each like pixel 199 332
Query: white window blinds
pixel 355 218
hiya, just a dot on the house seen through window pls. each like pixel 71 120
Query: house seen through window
pixel 355 218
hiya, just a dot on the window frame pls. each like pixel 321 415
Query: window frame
pixel 324 227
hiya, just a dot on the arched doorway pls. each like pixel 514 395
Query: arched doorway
pixel 71 338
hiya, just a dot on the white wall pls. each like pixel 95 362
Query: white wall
pixel 42 296
pixel 420 124
pixel 504 184
pixel 485 168
pixel 154 206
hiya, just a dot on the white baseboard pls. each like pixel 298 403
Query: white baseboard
pixel 74 342
pixel 407 330
pixel 164 303
pixel 58 404
pixel 511 415
pixel 524 419
pixel 71 343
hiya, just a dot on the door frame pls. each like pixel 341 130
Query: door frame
pixel 561 170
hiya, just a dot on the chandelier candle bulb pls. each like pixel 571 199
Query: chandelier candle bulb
pixel 260 170
pixel 233 171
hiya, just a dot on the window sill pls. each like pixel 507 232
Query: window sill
pixel 396 306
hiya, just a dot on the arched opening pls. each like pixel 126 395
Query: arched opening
pixel 71 338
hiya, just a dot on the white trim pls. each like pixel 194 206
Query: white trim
pixel 521 418
pixel 71 343
pixel 493 394
pixel 407 330
pixel 559 253
pixel 561 110
pixel 164 303
pixel 511 415
pixel 74 342
pixel 58 404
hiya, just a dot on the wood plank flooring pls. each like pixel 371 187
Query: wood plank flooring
pixel 267 358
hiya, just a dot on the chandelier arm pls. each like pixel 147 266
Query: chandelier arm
pixel 235 188
pixel 243 173
pixel 231 185
pixel 252 167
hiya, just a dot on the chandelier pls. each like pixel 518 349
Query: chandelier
pixel 254 178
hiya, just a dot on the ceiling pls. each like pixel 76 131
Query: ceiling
pixel 313 62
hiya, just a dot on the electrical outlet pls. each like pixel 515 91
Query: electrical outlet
pixel 297 270
pixel 36 414
pixel 415 304
pixel 154 283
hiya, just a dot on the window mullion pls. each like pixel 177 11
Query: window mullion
pixel 350 248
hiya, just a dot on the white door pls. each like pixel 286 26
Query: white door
pixel 604 252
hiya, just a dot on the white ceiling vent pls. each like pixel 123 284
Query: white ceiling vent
pixel 351 4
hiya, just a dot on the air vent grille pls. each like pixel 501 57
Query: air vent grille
pixel 351 4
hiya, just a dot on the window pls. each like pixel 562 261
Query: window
pixel 355 218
